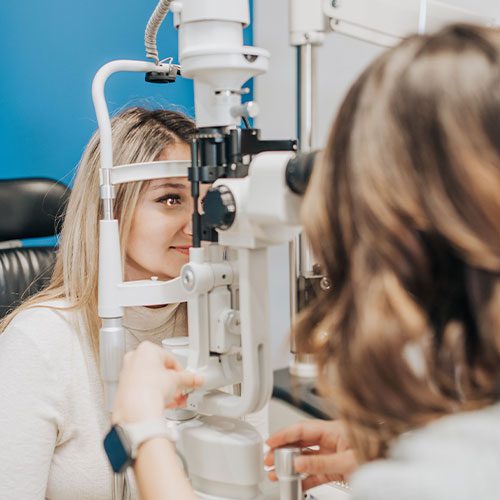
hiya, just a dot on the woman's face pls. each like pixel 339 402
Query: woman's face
pixel 160 234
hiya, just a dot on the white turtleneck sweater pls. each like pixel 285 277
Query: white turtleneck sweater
pixel 52 417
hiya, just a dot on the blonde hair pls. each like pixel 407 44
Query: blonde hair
pixel 404 215
pixel 139 135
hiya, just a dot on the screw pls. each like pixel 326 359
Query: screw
pixel 188 279
pixel 325 283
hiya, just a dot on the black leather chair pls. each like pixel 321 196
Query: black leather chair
pixel 29 208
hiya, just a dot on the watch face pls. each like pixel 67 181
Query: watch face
pixel 118 449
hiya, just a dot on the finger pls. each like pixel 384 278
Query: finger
pixel 178 402
pixel 170 361
pixel 335 439
pixel 272 476
pixel 313 481
pixel 269 459
pixel 177 381
pixel 337 463
pixel 302 434
pixel 308 451
pixel 189 380
pixel 148 351
pixel 128 356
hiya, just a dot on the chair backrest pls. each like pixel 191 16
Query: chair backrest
pixel 29 208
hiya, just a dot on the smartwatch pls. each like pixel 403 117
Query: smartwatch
pixel 123 440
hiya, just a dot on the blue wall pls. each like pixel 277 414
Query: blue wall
pixel 50 52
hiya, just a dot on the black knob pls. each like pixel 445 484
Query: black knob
pixel 299 170
pixel 219 207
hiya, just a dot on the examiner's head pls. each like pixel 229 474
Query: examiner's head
pixel 404 215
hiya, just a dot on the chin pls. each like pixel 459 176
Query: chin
pixel 171 273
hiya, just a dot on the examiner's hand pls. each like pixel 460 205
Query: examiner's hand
pixel 333 461
pixel 151 380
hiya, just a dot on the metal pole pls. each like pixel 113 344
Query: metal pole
pixel 306 62
pixel 301 261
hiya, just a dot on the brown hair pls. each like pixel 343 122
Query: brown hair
pixel 139 135
pixel 403 213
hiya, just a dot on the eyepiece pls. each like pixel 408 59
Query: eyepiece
pixel 220 207
pixel 299 170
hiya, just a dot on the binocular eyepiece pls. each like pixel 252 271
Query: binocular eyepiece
pixel 220 205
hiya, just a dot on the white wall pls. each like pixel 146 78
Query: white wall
pixel 339 62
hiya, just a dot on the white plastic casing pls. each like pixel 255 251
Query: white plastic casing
pixel 110 269
pixel 224 457
pixel 267 211
pixel 386 22
pixel 211 52
pixel 307 22
pixel 189 11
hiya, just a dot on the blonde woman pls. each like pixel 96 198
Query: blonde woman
pixel 404 214
pixel 52 418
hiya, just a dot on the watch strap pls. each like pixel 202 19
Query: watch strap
pixel 139 432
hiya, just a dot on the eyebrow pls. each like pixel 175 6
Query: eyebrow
pixel 174 185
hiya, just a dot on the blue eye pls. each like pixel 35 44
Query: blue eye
pixel 170 200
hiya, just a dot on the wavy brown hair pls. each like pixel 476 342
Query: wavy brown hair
pixel 403 213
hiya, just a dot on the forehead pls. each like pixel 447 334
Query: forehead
pixel 169 182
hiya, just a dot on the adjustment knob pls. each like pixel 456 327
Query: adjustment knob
pixel 289 479
pixel 219 207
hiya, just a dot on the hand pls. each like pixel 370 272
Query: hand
pixel 333 461
pixel 151 380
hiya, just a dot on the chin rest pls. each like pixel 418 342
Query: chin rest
pixel 31 208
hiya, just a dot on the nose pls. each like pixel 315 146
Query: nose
pixel 188 228
pixel 201 209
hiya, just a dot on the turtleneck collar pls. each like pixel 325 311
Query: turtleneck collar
pixel 154 324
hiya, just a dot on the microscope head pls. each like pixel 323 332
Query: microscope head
pixel 211 52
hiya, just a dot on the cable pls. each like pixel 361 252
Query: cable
pixel 152 29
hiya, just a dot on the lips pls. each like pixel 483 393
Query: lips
pixel 183 250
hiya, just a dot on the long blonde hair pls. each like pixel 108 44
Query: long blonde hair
pixel 139 135
pixel 404 215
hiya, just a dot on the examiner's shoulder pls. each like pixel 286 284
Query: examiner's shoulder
pixel 456 457
pixel 50 324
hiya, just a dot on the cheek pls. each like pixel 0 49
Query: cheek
pixel 141 229
pixel 152 230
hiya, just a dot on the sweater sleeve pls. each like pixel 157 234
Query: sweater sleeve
pixel 29 416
